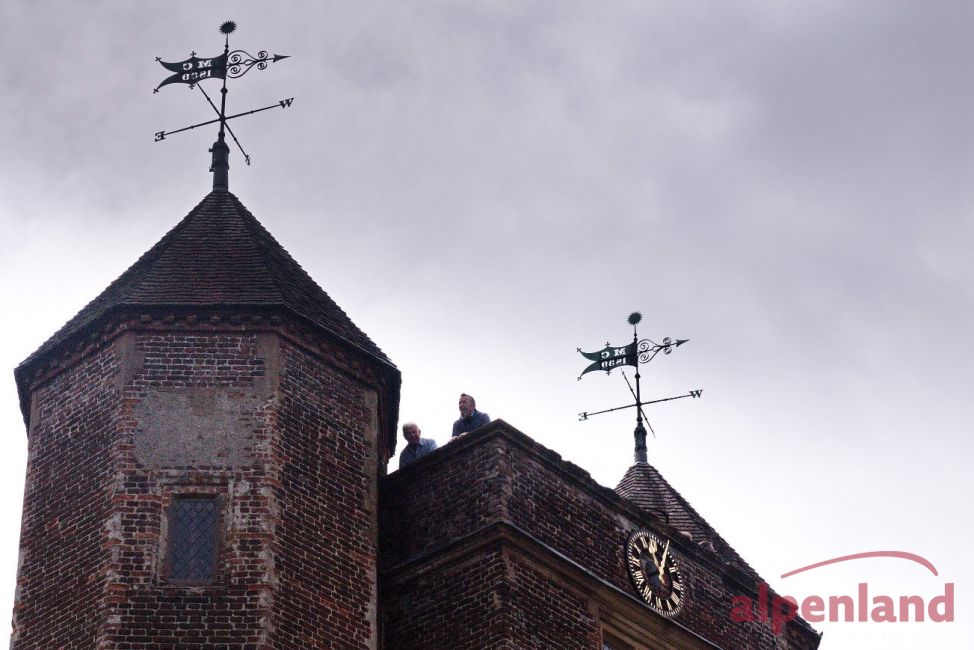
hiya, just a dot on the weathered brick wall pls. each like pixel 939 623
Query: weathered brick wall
pixel 548 615
pixel 196 422
pixel 326 520
pixel 434 517
pixel 501 475
pixel 67 499
pixel 463 605
pixel 563 508
pixel 285 438
pixel 432 503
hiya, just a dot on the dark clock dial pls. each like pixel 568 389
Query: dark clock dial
pixel 655 573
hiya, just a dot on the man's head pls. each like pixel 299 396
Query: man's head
pixel 411 432
pixel 467 405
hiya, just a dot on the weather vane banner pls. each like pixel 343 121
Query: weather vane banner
pixel 194 70
pixel 633 354
pixel 611 357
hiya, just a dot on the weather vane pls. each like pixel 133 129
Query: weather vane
pixel 633 354
pixel 231 65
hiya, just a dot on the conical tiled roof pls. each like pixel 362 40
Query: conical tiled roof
pixel 646 487
pixel 218 256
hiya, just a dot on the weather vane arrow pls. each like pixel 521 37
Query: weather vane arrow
pixel 633 354
pixel 229 65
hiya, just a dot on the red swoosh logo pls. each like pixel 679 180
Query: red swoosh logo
pixel 903 555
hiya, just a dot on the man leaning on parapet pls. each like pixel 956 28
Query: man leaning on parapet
pixel 417 447
pixel 470 417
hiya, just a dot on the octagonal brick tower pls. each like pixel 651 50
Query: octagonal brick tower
pixel 205 439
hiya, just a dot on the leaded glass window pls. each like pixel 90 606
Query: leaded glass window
pixel 193 539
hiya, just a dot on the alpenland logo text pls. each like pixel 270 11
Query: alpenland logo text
pixel 777 611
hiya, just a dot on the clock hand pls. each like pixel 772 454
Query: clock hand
pixel 659 568
pixel 662 564
pixel 648 568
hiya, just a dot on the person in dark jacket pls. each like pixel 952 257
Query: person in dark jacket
pixel 470 417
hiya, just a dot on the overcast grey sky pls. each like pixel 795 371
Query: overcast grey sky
pixel 485 186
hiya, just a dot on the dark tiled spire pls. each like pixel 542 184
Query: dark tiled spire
pixel 218 256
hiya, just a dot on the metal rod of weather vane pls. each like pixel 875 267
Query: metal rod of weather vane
pixel 221 151
pixel 586 415
pixel 223 90
pixel 640 431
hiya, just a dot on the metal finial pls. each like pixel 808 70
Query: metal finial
pixel 634 318
pixel 220 165
pixel 228 27
pixel 640 455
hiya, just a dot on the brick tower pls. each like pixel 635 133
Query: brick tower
pixel 205 441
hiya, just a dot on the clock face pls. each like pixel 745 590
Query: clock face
pixel 655 572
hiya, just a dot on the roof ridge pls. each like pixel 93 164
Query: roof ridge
pixel 259 232
pixel 251 223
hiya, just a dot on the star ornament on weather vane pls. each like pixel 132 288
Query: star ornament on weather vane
pixel 229 65
pixel 633 354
